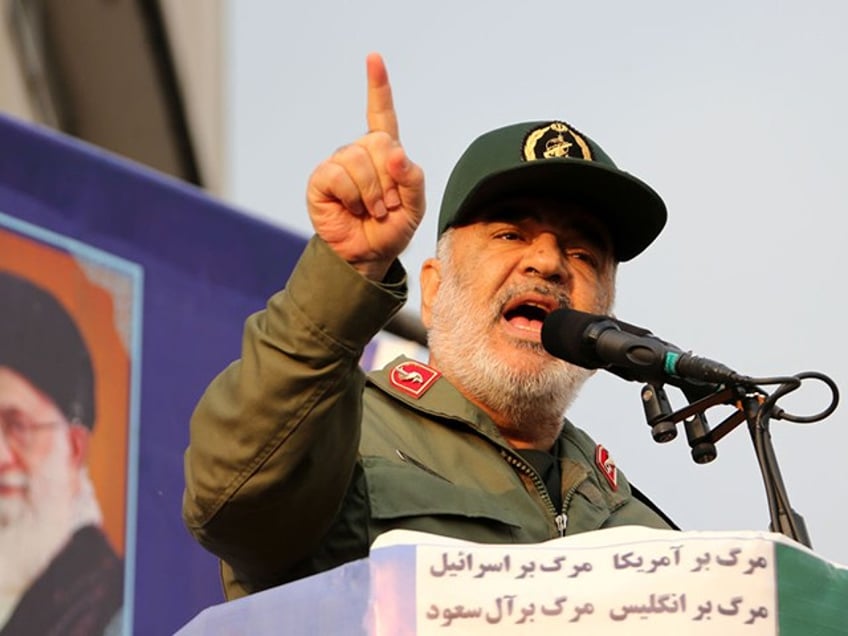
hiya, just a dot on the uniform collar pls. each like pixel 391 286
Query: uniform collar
pixel 423 388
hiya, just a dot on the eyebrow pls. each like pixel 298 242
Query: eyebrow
pixel 593 233
pixel 590 229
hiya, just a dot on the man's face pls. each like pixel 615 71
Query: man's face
pixel 523 259
pixel 485 298
pixel 40 453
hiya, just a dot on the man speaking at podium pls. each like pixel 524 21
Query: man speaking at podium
pixel 298 460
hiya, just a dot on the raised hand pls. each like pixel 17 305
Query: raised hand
pixel 367 199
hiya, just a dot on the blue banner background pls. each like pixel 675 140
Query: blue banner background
pixel 206 267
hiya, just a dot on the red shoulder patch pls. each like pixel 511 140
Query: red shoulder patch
pixel 607 466
pixel 413 378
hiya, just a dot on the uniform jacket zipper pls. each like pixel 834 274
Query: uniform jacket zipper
pixel 566 501
pixel 560 518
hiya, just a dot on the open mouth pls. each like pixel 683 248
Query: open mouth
pixel 528 313
pixel 12 487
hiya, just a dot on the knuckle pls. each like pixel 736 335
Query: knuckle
pixel 377 144
pixel 337 178
pixel 372 193
pixel 351 153
pixel 329 177
pixel 380 138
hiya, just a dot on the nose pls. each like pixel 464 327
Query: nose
pixel 544 257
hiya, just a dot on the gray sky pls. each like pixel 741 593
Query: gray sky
pixel 733 111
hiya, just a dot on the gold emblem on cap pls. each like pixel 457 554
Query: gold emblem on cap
pixel 555 141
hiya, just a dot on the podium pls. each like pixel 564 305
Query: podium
pixel 619 581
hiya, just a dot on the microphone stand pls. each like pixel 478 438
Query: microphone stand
pixel 783 518
pixel 751 406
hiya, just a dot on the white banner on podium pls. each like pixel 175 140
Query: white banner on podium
pixel 621 581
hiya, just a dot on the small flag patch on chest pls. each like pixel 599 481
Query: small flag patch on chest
pixel 607 466
pixel 413 378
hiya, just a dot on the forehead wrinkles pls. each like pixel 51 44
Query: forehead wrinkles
pixel 605 288
pixel 447 244
pixel 564 217
pixel 18 393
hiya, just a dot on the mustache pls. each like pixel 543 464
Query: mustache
pixel 558 294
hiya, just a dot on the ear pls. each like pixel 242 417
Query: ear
pixel 431 278
pixel 79 436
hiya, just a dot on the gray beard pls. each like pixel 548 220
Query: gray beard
pixel 532 395
pixel 33 532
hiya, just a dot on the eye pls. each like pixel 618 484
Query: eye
pixel 14 423
pixel 509 235
pixel 584 255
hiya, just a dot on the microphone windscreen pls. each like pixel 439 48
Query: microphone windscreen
pixel 562 336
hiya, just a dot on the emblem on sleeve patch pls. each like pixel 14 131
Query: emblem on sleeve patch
pixel 607 466
pixel 555 141
pixel 413 378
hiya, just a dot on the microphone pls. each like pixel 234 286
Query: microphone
pixel 631 352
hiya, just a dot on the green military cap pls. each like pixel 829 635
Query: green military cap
pixel 553 159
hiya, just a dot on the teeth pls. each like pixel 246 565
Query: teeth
pixel 534 303
pixel 13 480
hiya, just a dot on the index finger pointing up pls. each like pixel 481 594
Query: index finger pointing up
pixel 381 110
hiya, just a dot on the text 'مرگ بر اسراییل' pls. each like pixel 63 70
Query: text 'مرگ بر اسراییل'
pixel 679 582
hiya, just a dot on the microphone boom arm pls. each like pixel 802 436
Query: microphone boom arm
pixel 752 405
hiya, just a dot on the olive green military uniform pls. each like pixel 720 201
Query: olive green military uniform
pixel 298 461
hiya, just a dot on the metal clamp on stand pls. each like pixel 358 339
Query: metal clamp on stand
pixel 753 405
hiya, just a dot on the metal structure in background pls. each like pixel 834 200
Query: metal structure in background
pixel 103 71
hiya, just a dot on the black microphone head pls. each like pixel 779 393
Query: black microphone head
pixel 563 337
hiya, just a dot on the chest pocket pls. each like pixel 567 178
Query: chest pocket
pixel 406 496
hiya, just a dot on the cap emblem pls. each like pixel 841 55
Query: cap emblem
pixel 413 378
pixel 555 141
pixel 606 464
